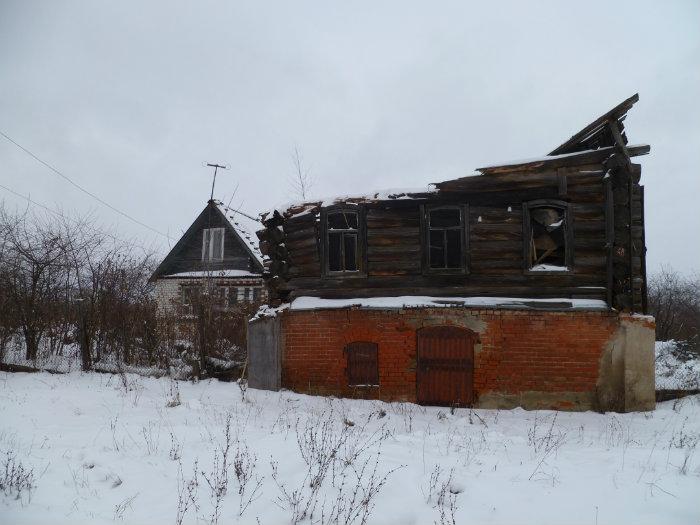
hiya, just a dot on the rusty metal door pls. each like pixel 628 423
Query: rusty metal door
pixel 445 366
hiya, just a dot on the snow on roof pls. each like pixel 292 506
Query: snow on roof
pixel 303 207
pixel 547 158
pixel 316 303
pixel 214 273
pixel 244 226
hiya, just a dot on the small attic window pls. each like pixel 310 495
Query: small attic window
pixel 547 235
pixel 213 244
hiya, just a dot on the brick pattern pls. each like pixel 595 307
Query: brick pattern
pixel 516 351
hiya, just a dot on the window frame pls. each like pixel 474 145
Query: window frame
pixel 565 207
pixel 348 350
pixel 206 232
pixel 361 256
pixel 425 239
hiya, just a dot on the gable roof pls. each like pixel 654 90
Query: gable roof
pixel 234 227
pixel 244 226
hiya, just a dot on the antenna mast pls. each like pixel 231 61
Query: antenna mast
pixel 213 182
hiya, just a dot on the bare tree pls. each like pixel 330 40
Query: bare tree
pixel 301 181
pixel 33 272
pixel 674 300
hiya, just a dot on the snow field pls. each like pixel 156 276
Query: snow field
pixel 108 448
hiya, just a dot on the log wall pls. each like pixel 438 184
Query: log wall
pixel 394 247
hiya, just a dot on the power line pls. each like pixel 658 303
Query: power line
pixel 57 172
pixel 59 214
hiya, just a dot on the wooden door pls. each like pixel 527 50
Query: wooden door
pixel 445 366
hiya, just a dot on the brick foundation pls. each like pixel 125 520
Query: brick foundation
pixel 535 359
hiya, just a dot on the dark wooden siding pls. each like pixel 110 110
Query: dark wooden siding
pixel 495 234
pixel 186 256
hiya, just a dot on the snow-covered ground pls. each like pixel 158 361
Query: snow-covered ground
pixel 103 451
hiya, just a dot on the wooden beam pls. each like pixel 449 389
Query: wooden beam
pixel 615 113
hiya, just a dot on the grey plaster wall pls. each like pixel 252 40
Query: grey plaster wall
pixel 264 353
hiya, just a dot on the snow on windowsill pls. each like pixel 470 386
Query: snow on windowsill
pixel 317 303
pixel 549 268
pixel 214 273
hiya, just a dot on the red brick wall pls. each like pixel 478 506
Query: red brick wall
pixel 517 351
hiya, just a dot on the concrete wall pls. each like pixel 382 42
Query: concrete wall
pixel 575 360
pixel 264 353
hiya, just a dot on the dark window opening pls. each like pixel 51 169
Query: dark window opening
pixel 190 294
pixel 232 296
pixel 343 231
pixel 547 239
pixel 363 365
pixel 445 239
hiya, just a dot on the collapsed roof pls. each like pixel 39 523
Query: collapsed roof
pixel 591 145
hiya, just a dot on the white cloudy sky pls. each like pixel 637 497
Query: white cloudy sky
pixel 130 98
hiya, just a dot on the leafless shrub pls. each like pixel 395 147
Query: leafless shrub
pixel 218 478
pixel 120 508
pixel 187 492
pixel 175 452
pixel 16 480
pixel 319 444
pixel 151 437
pixel 174 397
pixel 442 493
pixel 331 452
pixel 300 502
pixel 243 387
pixel 545 440
pixel 244 467
pixel 407 412
pixel 356 493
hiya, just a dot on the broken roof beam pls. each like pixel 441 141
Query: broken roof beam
pixel 596 127
pixel 578 158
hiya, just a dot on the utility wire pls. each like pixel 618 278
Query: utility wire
pixel 57 172
pixel 59 214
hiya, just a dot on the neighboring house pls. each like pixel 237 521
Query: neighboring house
pixel 521 285
pixel 215 252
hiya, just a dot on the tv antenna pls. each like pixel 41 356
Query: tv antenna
pixel 213 182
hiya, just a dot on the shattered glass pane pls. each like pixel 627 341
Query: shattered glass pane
pixel 548 236
pixel 343 220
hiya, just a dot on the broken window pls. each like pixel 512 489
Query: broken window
pixel 342 246
pixel 213 244
pixel 547 236
pixel 362 366
pixel 446 238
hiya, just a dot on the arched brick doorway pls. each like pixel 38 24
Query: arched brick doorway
pixel 445 366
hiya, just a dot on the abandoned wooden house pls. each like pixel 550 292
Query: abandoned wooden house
pixel 216 254
pixel 521 285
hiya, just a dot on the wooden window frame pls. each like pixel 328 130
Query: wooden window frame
pixel 568 235
pixel 207 257
pixel 352 381
pixel 361 271
pixel 425 236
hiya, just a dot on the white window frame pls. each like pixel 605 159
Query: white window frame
pixel 208 247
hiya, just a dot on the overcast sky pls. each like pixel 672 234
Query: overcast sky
pixel 131 98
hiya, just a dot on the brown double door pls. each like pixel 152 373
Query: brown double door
pixel 445 366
